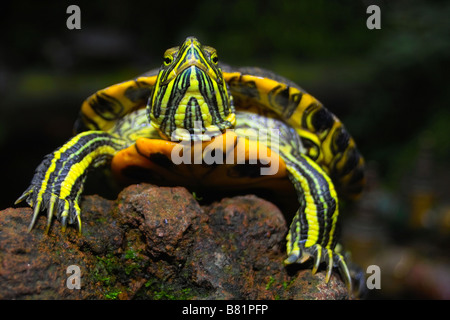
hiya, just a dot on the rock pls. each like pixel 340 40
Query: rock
pixel 157 243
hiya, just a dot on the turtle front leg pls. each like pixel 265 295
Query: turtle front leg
pixel 59 179
pixel 312 233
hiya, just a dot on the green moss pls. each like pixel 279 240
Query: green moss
pixel 113 294
pixel 130 268
pixel 101 220
pixel 270 283
pixel 135 261
pixel 104 269
pixel 286 284
pixel 197 197
pixel 132 254
pixel 163 291
pixel 105 274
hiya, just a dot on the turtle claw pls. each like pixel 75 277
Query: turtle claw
pixel 64 216
pixel 66 210
pixel 343 270
pixel 78 215
pixel 332 259
pixel 37 208
pixel 63 223
pixel 50 211
pixel 329 263
pixel 23 196
pixel 317 259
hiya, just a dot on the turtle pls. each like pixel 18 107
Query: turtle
pixel 200 123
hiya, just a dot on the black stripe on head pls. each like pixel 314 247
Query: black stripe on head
pixel 207 91
pixel 156 108
pixel 176 95
pixel 187 122
pixel 192 115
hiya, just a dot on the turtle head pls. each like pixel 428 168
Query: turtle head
pixel 190 99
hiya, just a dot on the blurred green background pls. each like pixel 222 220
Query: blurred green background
pixel 390 87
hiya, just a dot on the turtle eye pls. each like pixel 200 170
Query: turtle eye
pixel 214 58
pixel 168 60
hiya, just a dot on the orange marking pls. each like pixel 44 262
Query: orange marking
pixel 235 148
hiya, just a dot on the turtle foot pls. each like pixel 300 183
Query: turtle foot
pixel 331 258
pixel 65 210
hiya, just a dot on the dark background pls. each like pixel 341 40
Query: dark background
pixel 390 87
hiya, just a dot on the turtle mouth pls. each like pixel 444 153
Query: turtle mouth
pixel 201 68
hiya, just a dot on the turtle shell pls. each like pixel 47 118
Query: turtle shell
pixel 324 137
